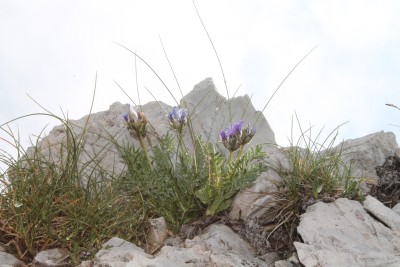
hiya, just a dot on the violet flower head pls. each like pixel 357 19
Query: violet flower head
pixel 178 118
pixel 136 120
pixel 235 136
pixel 230 138
pixel 223 136
pixel 236 128
pixel 248 134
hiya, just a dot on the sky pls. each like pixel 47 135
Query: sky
pixel 51 51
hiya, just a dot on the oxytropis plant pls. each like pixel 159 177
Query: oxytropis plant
pixel 185 181
pixel 227 176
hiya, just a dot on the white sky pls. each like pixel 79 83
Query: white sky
pixel 52 50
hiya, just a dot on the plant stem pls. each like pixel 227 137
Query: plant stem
pixel 236 162
pixel 142 144
pixel 240 152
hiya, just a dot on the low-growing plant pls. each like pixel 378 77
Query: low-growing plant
pixel 182 184
pixel 226 177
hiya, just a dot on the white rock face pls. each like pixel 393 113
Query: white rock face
pixel 211 113
pixel 368 152
pixel 343 234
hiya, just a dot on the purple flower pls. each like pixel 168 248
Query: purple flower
pixel 222 135
pixel 178 118
pixel 236 128
pixel 136 120
pixel 235 136
pixel 248 134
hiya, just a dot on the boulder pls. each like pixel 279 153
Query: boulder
pixel 117 252
pixel 253 202
pixel 56 257
pixel 342 233
pixel 365 153
pixel 158 232
pixel 208 110
pixel 8 260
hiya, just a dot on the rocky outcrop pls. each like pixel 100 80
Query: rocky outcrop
pixel 365 153
pixel 210 113
pixel 343 233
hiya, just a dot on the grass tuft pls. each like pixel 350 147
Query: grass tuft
pixel 316 173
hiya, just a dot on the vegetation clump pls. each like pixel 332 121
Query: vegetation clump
pixel 182 184
pixel 44 205
pixel 315 172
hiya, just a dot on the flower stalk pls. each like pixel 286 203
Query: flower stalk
pixel 234 138
pixel 136 123
pixel 177 120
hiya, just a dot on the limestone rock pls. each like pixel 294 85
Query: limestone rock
pixel 211 113
pixel 367 152
pixel 397 208
pixel 120 253
pixel 8 260
pixel 386 215
pixel 342 233
pixel 253 201
pixel 56 257
pixel 157 234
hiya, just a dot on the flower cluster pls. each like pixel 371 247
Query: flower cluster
pixel 235 136
pixel 178 118
pixel 136 121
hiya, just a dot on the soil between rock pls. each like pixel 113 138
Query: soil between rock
pixel 251 231
pixel 387 190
